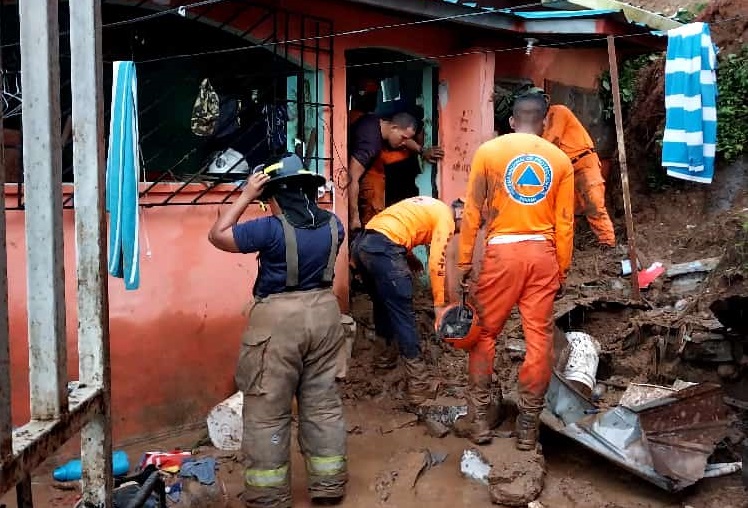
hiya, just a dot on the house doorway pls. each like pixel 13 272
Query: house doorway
pixel 403 83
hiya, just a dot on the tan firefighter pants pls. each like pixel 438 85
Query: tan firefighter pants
pixel 290 348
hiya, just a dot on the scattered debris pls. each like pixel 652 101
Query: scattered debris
pixel 581 365
pixel 698 266
pixel 516 478
pixel 646 277
pixel 435 428
pixel 344 355
pixel 444 414
pixel 662 434
pixel 398 421
pixel 474 465
pixel 715 470
pixel 225 423
pixel 204 470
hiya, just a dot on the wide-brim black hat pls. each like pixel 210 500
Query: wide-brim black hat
pixel 289 171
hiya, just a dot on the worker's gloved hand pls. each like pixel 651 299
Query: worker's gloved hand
pixel 433 154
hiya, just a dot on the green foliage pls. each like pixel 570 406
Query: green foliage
pixel 686 16
pixel 732 106
pixel 627 73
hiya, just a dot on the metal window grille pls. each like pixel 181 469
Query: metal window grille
pixel 289 70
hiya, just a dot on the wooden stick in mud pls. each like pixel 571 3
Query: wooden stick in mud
pixel 615 88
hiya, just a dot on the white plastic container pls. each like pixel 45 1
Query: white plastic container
pixel 581 367
pixel 225 423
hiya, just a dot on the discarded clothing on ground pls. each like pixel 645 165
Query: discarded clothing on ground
pixel 204 470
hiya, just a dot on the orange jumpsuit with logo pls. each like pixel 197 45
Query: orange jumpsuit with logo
pixel 528 186
pixel 564 130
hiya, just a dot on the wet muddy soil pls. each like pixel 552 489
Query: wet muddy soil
pixel 383 450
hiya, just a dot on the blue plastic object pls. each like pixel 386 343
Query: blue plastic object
pixel 72 470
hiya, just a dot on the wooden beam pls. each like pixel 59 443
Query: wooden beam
pixel 36 441
pixel 90 234
pixel 42 168
pixel 635 293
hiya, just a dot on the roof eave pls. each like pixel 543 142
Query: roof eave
pixel 633 14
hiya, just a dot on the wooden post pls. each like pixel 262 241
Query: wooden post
pixel 635 294
pixel 90 232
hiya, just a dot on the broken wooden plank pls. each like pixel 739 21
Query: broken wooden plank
pixel 635 293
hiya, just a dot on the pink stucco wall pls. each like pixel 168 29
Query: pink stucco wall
pixel 175 340
pixel 466 113
pixel 570 66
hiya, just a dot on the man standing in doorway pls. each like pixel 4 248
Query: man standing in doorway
pixel 368 136
pixel 380 255
pixel 527 185
pixel 293 338
pixel 564 130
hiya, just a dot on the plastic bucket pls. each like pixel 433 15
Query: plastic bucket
pixel 581 367
pixel 225 423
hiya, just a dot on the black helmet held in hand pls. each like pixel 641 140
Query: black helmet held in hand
pixel 288 171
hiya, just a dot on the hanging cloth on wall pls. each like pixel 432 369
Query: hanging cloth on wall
pixel 206 110
pixel 123 168
pixel 690 137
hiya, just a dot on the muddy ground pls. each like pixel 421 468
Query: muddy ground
pixel 386 444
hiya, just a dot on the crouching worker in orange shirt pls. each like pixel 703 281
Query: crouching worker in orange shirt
pixel 380 255
pixel 528 187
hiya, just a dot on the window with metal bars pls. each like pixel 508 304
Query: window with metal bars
pixel 268 73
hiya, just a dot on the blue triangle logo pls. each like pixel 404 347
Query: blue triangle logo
pixel 529 177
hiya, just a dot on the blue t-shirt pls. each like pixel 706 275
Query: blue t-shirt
pixel 265 236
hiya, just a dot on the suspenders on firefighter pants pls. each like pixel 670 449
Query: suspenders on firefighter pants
pixel 289 349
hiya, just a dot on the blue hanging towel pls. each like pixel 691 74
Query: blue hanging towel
pixel 690 138
pixel 123 168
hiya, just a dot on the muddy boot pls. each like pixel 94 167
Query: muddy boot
pixel 484 412
pixel 419 386
pixel 527 428
pixel 387 358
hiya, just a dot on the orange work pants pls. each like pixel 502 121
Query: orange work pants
pixel 371 193
pixel 523 274
pixel 590 198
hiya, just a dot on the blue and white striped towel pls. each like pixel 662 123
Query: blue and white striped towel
pixel 690 137
pixel 123 167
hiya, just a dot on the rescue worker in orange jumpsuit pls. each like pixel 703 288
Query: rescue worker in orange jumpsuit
pixel 564 130
pixel 527 184
pixel 293 338
pixel 379 254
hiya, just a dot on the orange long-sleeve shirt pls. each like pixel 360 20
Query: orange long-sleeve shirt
pixel 528 185
pixel 420 220
pixel 564 130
